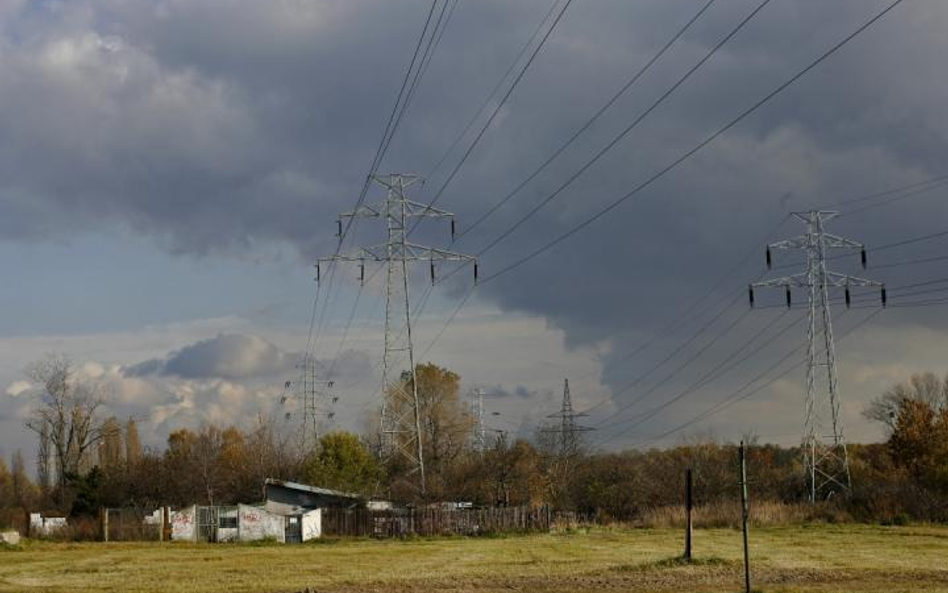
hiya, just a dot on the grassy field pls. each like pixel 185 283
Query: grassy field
pixel 785 559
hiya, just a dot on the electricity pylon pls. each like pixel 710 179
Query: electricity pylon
pixel 825 458
pixel 478 427
pixel 314 402
pixel 568 432
pixel 401 411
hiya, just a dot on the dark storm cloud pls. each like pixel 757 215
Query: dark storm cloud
pixel 221 126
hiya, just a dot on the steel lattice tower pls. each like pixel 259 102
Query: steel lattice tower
pixel 401 419
pixel 568 430
pixel 825 458
pixel 313 401
pixel 478 428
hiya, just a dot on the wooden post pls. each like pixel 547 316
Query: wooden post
pixel 104 523
pixel 688 508
pixel 744 516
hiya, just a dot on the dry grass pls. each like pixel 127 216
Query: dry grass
pixel 762 514
pixel 814 558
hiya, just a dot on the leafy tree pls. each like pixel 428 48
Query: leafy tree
pixel 919 442
pixel 343 463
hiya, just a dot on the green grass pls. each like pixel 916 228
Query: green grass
pixel 813 558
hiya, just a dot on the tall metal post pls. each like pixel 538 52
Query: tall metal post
pixel 401 418
pixel 825 458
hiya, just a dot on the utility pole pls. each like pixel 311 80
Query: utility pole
pixel 478 428
pixel 689 505
pixel 745 513
pixel 569 430
pixel 401 419
pixel 825 458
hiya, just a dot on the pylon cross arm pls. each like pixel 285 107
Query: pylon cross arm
pixel 841 280
pixel 424 252
pixel 801 242
pixel 837 242
pixel 363 212
pixel 796 280
pixel 418 209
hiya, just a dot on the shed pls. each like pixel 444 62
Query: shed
pixel 291 498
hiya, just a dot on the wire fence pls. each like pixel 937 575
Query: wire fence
pixel 131 524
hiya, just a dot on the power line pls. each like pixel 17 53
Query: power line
pixel 671 355
pixel 735 396
pixel 684 317
pixel 582 129
pixel 433 41
pixel 722 368
pixel 701 145
pixel 616 139
pixel 499 105
pixel 494 91
pixel 942 183
pixel 677 369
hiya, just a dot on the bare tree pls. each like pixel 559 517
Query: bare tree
pixel 111 453
pixel 66 413
pixel 43 460
pixel 926 388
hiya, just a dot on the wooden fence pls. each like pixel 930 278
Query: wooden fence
pixel 130 524
pixel 434 521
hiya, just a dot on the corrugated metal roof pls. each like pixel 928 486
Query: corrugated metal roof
pixel 313 489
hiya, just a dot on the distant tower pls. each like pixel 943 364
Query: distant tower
pixel 401 412
pixel 569 430
pixel 825 458
pixel 478 427
pixel 312 402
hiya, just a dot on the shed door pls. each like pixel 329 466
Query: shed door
pixel 293 529
pixel 207 524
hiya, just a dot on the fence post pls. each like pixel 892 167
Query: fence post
pixel 688 510
pixel 104 523
pixel 744 514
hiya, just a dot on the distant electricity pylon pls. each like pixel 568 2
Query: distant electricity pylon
pixel 401 412
pixel 825 458
pixel 314 402
pixel 568 432
pixel 478 427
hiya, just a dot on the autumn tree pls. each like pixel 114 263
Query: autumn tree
pixel 925 388
pixel 919 441
pixel 445 420
pixel 344 463
pixel 133 444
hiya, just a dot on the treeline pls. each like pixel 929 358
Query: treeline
pixel 903 478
